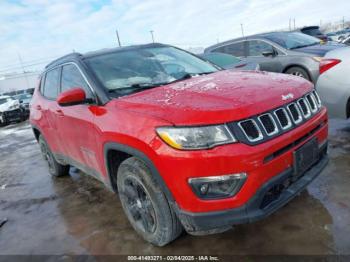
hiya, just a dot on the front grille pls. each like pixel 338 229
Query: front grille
pixel 268 124
pixel 283 118
pixel 318 100
pixel 312 102
pixel 251 129
pixel 295 112
pixel 12 113
pixel 304 108
pixel 263 127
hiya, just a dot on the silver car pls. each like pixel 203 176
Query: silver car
pixel 333 85
pixel 282 52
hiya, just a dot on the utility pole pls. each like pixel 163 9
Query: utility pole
pixel 343 22
pixel 294 23
pixel 116 31
pixel 24 72
pixel 242 30
pixel 152 35
pixel 290 24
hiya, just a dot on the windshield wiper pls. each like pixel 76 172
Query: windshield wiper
pixel 301 46
pixel 136 87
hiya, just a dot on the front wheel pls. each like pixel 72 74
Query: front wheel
pixel 298 71
pixel 145 204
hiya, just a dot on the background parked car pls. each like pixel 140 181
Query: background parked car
pixel 333 85
pixel 315 32
pixel 227 61
pixel 346 41
pixel 282 52
pixel 10 110
pixel 24 100
pixel 342 34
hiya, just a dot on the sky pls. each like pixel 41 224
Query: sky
pixel 37 31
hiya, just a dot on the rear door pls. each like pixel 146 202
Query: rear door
pixel 77 129
pixel 256 48
pixel 48 107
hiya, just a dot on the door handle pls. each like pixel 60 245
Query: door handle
pixel 59 112
pixel 38 107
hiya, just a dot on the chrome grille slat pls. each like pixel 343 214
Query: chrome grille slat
pixel 266 120
pixel 310 98
pixel 249 134
pixel 304 107
pixel 295 113
pixel 269 124
pixel 282 117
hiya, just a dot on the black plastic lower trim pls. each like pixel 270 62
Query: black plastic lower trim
pixel 253 211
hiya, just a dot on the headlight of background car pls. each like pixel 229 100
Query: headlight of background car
pixel 191 138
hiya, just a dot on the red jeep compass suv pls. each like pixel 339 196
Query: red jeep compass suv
pixel 185 144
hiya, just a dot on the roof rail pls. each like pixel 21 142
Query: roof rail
pixel 56 61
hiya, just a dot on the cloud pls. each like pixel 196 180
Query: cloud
pixel 42 29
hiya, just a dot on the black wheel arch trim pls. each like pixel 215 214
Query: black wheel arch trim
pixel 142 156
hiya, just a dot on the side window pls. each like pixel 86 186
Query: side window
pixel 236 49
pixel 41 87
pixel 71 78
pixel 256 48
pixel 51 84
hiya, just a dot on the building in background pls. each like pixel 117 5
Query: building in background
pixel 18 82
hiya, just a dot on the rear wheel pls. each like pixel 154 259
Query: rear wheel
pixel 298 71
pixel 145 204
pixel 55 168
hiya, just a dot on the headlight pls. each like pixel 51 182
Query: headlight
pixel 191 138
pixel 14 107
pixel 217 187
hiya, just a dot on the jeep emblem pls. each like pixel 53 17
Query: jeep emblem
pixel 288 96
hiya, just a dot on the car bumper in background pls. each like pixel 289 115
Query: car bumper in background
pixel 13 115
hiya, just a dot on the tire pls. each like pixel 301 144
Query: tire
pixel 298 71
pixel 145 204
pixel 55 168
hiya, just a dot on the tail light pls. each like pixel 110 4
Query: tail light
pixel 326 64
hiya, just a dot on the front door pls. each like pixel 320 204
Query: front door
pixel 270 63
pixel 76 122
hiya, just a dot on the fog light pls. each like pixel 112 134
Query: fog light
pixel 217 187
pixel 204 189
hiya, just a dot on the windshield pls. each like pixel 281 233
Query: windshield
pixel 129 71
pixel 292 40
pixel 222 60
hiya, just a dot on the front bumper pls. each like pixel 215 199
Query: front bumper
pixel 13 115
pixel 269 198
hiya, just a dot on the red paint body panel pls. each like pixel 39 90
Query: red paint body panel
pixel 81 131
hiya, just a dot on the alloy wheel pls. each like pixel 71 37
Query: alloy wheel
pixel 139 205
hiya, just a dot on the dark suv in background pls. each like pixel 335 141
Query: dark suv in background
pixel 282 52
pixel 315 32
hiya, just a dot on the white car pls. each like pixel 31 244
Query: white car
pixel 10 110
pixel 333 84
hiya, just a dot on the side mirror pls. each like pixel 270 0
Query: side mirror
pixel 269 53
pixel 72 97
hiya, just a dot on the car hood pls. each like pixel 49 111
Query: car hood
pixel 6 106
pixel 319 50
pixel 216 98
